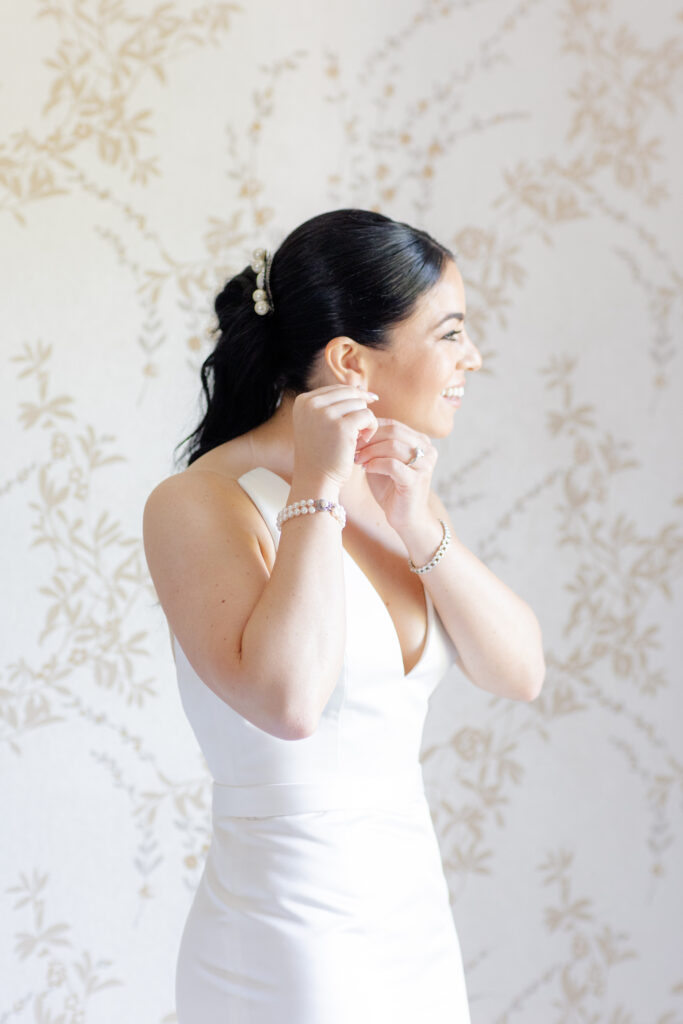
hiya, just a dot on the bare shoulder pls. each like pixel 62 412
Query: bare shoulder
pixel 195 486
pixel 204 498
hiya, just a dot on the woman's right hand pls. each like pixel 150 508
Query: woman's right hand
pixel 327 422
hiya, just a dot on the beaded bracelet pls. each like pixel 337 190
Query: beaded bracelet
pixel 309 505
pixel 438 554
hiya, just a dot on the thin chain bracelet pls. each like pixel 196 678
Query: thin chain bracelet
pixel 310 505
pixel 438 554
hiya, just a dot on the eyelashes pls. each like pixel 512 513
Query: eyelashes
pixel 453 334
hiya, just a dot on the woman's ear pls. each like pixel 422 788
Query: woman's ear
pixel 344 357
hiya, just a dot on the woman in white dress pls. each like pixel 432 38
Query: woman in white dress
pixel 317 593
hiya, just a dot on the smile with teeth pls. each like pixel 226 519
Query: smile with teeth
pixel 454 392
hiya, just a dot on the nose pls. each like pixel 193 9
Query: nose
pixel 470 357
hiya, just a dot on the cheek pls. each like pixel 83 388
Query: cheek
pixel 427 372
pixel 416 372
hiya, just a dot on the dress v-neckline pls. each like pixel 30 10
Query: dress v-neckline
pixel 378 597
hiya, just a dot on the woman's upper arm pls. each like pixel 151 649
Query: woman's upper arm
pixel 205 559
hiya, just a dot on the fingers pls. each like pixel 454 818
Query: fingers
pixel 401 431
pixel 341 392
pixel 400 449
pixel 341 402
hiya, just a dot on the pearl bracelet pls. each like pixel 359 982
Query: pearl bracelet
pixel 438 554
pixel 309 505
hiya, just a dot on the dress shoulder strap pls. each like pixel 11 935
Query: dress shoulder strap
pixel 269 493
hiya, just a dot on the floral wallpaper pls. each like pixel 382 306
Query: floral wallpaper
pixel 146 148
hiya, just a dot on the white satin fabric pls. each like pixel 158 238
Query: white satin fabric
pixel 323 898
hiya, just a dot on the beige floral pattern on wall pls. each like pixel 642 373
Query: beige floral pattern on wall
pixel 91 667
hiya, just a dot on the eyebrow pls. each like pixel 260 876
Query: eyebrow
pixel 449 316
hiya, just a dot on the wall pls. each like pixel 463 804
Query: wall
pixel 146 150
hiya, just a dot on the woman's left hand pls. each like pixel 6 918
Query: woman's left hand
pixel 402 491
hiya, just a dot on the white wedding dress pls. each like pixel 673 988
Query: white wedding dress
pixel 323 898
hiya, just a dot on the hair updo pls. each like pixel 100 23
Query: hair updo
pixel 347 272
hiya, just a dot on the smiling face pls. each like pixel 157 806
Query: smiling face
pixel 428 353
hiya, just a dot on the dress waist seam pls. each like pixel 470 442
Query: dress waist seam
pixel 393 791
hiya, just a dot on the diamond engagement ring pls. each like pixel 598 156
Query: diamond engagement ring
pixel 417 454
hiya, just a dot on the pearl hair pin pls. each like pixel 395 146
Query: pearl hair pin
pixel 260 264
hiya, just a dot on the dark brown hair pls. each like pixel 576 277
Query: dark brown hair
pixel 346 272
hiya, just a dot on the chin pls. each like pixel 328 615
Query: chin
pixel 431 426
pixel 440 431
